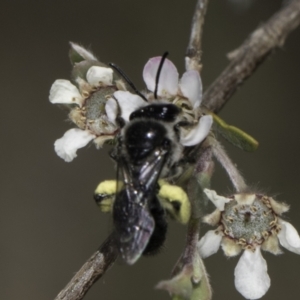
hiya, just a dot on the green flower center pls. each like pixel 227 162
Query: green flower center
pixel 249 225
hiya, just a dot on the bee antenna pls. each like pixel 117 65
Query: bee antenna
pixel 127 79
pixel 163 58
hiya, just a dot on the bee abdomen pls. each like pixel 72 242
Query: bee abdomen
pixel 158 236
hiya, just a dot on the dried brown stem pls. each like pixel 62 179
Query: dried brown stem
pixel 193 51
pixel 191 246
pixel 90 272
pixel 245 59
pixel 190 263
pixel 234 175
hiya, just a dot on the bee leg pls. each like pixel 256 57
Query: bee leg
pixel 104 195
pixel 175 200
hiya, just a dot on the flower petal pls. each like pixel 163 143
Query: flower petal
pixel 213 219
pixel 87 55
pixel 271 244
pixel 289 237
pixel 111 109
pixel 218 201
pixel 99 75
pixel 244 198
pixel 199 133
pixel 191 87
pixel 251 276
pixel 278 207
pixel 72 140
pixel 230 248
pixel 209 244
pixel 168 79
pixel 64 92
pixel 101 140
pixel 128 103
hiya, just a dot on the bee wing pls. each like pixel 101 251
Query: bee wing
pixel 151 169
pixel 134 226
pixel 133 221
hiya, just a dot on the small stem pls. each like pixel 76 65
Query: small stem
pixel 245 59
pixel 90 272
pixel 198 181
pixel 233 173
pixel 191 246
pixel 193 51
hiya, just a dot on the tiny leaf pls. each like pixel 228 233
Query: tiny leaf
pixel 234 135
pixel 78 53
pixel 191 283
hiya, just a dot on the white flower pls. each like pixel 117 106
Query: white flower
pixel 188 88
pixel 91 105
pixel 96 99
pixel 248 222
pixel 169 85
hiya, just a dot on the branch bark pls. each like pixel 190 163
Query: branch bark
pixel 245 59
pixel 91 271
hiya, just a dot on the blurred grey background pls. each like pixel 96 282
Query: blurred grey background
pixel 49 223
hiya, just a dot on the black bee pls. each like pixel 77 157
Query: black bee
pixel 147 148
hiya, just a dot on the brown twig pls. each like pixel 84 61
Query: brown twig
pixel 193 51
pixel 245 59
pixel 234 175
pixel 90 272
